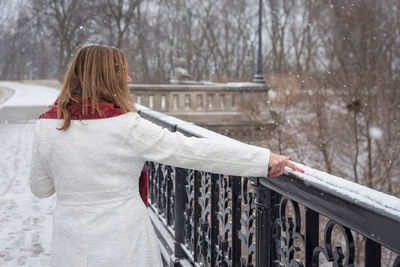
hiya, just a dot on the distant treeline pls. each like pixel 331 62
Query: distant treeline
pixel 216 38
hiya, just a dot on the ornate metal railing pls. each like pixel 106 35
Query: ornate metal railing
pixel 207 219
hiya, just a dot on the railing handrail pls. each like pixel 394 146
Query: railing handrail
pixel 370 212
pixel 242 87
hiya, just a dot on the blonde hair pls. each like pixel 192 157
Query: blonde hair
pixel 97 73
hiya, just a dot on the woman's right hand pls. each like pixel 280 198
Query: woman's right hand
pixel 277 164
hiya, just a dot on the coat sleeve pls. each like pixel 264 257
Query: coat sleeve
pixel 157 144
pixel 41 184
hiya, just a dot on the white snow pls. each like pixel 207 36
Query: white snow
pixel 242 84
pixel 272 94
pixel 357 192
pixel 29 95
pixel 25 221
pixel 375 132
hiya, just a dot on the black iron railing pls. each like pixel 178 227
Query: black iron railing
pixel 207 219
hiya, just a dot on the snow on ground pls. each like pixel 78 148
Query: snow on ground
pixel 25 221
pixel 29 95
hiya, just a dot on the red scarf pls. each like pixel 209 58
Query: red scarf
pixel 108 110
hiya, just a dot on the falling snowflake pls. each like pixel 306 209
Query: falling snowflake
pixel 375 132
pixel 272 94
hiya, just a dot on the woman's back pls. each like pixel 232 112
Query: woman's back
pixel 91 156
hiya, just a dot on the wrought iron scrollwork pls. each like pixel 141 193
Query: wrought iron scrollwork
pixel 224 250
pixel 288 229
pixel 152 169
pixel 162 185
pixel 170 197
pixel 215 227
pixel 161 190
pixel 397 262
pixel 189 189
pixel 248 223
pixel 336 256
pixel 204 230
pixel 211 229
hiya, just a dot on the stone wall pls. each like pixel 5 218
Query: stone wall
pixel 214 106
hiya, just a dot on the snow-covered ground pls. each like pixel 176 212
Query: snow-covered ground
pixel 26 102
pixel 29 95
pixel 25 221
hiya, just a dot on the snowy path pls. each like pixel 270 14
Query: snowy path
pixel 27 102
pixel 25 221
pixel 29 95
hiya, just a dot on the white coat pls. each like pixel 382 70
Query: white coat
pixel 94 168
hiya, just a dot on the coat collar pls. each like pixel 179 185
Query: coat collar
pixel 107 109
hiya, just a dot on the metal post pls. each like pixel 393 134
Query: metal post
pixel 179 202
pixel 372 253
pixel 196 215
pixel 214 217
pixel 236 215
pixel 267 209
pixel 259 77
pixel 311 236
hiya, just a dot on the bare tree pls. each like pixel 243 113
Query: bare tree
pixel 117 17
pixel 66 22
pixel 280 15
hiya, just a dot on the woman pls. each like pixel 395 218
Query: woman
pixel 90 148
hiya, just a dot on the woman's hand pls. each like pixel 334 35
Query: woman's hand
pixel 277 164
